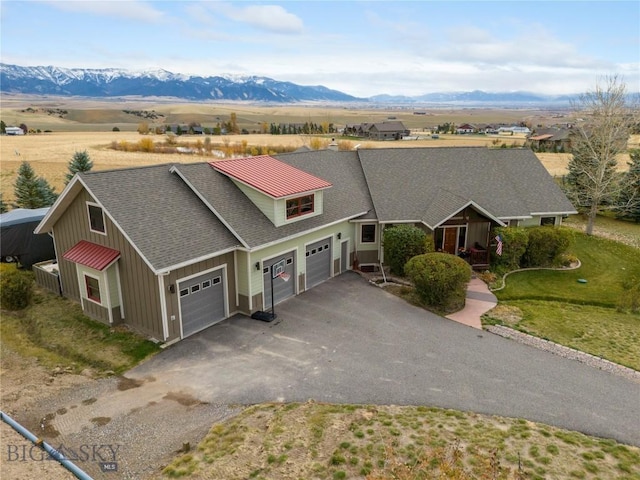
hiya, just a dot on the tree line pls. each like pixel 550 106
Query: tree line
pixel 32 191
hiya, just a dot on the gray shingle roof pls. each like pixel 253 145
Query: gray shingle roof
pixel 160 214
pixel 170 225
pixel 348 197
pixel 430 184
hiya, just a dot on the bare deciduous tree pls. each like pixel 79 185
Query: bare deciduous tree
pixel 593 182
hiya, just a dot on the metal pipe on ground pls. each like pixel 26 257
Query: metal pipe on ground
pixel 56 455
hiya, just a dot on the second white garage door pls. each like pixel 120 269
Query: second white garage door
pixel 318 258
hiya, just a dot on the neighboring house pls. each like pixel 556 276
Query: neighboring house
pixel 515 129
pixel 173 249
pixel 14 131
pixel 391 130
pixel 551 140
pixel 465 128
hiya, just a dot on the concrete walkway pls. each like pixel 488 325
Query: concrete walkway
pixel 479 300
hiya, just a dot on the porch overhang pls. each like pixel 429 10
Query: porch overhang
pixel 92 255
pixel 474 205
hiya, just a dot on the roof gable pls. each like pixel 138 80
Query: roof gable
pixel 270 176
pixel 155 211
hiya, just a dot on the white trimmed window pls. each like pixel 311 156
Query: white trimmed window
pixel 96 218
pixel 93 288
pixel 368 233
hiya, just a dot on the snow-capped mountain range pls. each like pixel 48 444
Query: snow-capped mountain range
pixel 113 82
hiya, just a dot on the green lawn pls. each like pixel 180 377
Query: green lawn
pixel 609 268
pixel 604 332
pixel 593 317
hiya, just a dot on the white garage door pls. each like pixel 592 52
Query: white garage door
pixel 202 302
pixel 318 258
pixel 282 290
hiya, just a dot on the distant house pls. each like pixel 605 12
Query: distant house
pixel 515 129
pixel 466 128
pixel 551 140
pixel 391 130
pixel 173 249
pixel 14 131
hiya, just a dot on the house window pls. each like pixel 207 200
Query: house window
pixel 96 218
pixel 93 288
pixel 548 221
pixel 368 233
pixel 299 206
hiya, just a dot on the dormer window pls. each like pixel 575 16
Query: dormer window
pixel 96 218
pixel 299 206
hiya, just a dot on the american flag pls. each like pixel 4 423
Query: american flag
pixel 499 246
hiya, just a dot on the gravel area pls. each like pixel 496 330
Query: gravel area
pixel 137 426
pixel 565 352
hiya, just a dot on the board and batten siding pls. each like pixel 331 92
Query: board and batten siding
pixel 140 293
pixel 173 310
pixel 299 245
pixel 244 272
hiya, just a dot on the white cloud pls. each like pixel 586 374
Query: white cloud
pixel 132 10
pixel 271 18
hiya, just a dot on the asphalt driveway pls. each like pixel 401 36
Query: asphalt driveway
pixel 346 341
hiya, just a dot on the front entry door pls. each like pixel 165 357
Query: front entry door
pixel 450 240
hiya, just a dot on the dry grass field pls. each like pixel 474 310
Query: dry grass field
pixel 76 125
pixel 50 153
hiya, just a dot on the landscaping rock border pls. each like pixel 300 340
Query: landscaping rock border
pixel 565 352
pixel 504 277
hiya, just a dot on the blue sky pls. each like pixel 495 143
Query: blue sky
pixel 361 48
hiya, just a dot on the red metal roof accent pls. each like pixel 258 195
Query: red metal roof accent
pixel 271 176
pixel 91 255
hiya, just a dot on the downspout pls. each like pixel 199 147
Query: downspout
pixel 56 455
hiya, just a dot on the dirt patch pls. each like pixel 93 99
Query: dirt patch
pixel 100 421
pixel 183 399
pixel 128 383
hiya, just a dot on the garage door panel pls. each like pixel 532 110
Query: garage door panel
pixel 282 290
pixel 318 262
pixel 202 302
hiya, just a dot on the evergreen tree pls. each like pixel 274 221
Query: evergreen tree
pixel 628 205
pixel 81 162
pixel 46 192
pixel 3 127
pixel 4 208
pixel 32 191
